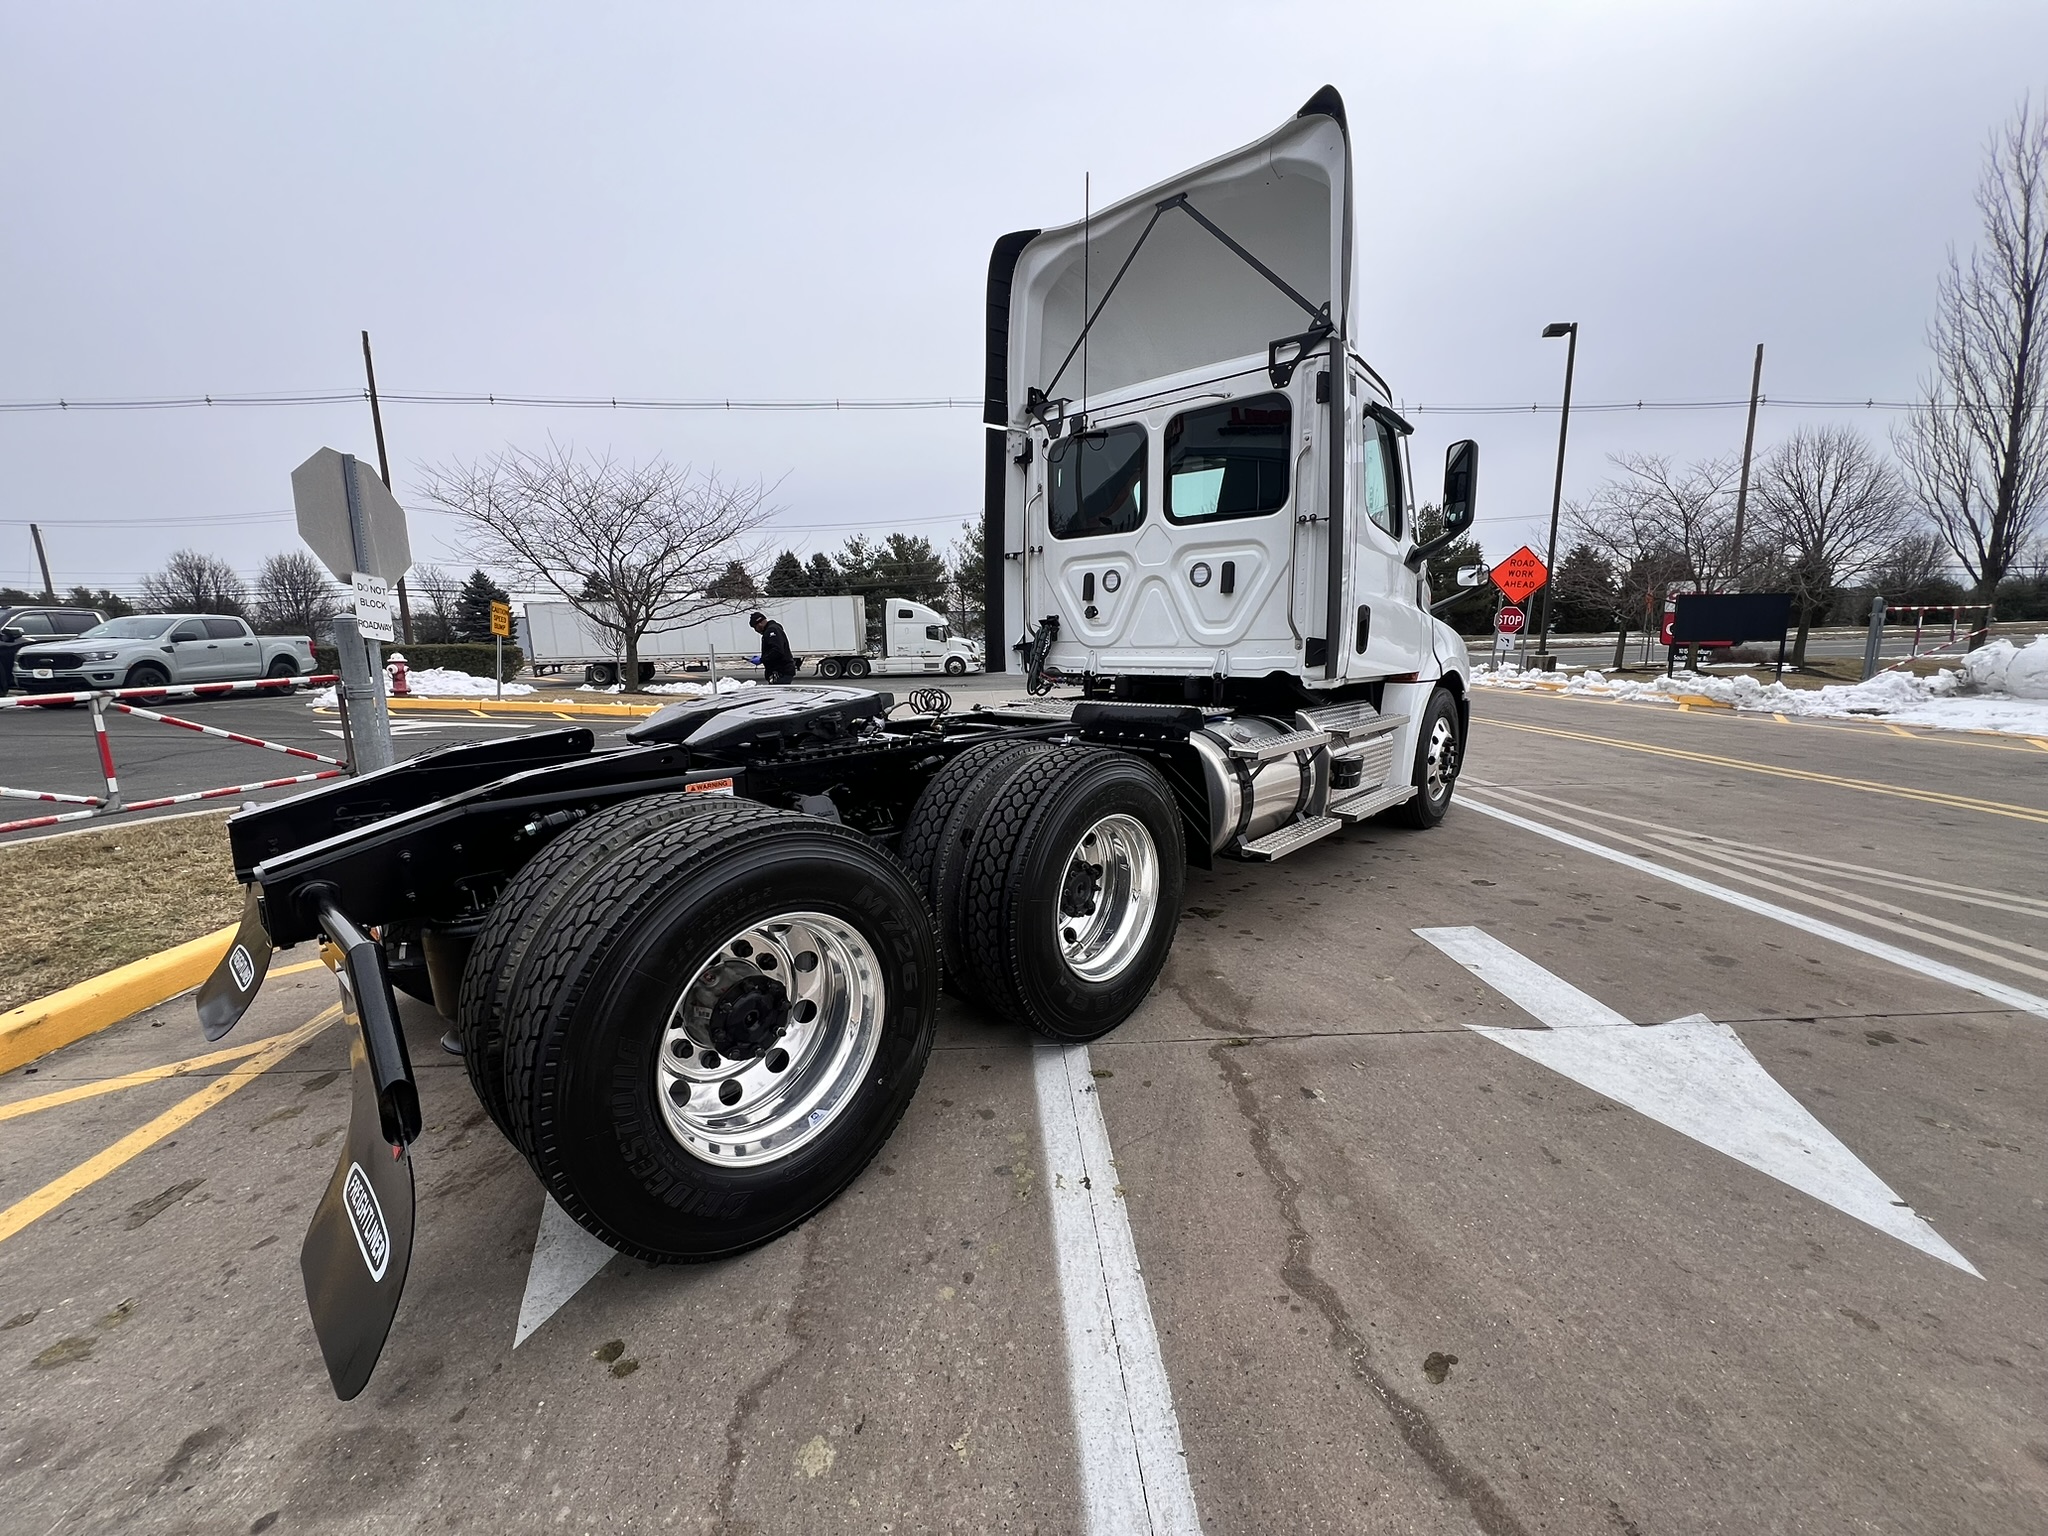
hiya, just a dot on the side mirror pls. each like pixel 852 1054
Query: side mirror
pixel 11 633
pixel 1461 484
pixel 1471 575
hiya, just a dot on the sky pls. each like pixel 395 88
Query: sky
pixel 796 201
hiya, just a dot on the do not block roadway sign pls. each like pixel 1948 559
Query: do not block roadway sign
pixel 1520 574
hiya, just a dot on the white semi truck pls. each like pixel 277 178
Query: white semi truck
pixel 831 633
pixel 695 980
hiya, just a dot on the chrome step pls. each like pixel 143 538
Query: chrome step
pixel 1295 835
pixel 1359 804
pixel 1277 746
pixel 1349 722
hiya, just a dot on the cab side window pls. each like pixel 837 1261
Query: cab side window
pixel 1096 483
pixel 33 624
pixel 1228 460
pixel 191 629
pixel 1379 494
pixel 225 629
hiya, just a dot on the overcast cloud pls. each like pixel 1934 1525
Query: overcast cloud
pixel 798 201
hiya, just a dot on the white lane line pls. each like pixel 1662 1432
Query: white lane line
pixel 565 1259
pixel 1134 1474
pixel 1694 1075
pixel 1939 970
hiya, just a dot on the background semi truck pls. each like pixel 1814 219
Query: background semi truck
pixel 838 636
pixel 695 979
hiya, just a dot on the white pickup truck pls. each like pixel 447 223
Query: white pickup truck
pixel 152 650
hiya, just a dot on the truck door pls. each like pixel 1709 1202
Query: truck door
pixel 233 651
pixel 189 659
pixel 1386 635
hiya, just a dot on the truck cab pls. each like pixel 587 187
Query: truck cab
pixel 1197 489
pixel 917 638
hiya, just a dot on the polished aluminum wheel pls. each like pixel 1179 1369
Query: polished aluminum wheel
pixel 771 1039
pixel 1108 897
pixel 1440 761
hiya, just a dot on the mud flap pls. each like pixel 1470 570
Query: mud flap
pixel 228 992
pixel 359 1245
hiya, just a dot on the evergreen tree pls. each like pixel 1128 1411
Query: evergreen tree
pixel 970 580
pixel 825 578
pixel 787 577
pixel 1587 593
pixel 112 604
pixel 735 584
pixel 907 566
pixel 473 607
pixel 1471 616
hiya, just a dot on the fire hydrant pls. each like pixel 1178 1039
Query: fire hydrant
pixel 396 668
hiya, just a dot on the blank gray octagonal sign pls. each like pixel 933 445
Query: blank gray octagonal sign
pixel 320 495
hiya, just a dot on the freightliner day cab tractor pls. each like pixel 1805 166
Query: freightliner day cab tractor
pixel 695 980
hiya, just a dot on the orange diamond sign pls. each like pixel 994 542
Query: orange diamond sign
pixel 1520 574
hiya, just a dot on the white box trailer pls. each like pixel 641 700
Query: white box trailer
pixel 828 632
pixel 563 638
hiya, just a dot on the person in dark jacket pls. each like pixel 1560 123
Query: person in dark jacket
pixel 776 660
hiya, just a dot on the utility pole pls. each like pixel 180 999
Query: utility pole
pixel 384 472
pixel 1756 380
pixel 1569 328
pixel 49 592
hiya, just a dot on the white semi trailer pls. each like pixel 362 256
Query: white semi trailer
pixel 831 632
pixel 696 979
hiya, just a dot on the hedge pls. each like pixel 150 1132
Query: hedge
pixel 474 659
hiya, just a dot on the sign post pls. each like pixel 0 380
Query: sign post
pixel 355 525
pixel 501 626
pixel 1521 574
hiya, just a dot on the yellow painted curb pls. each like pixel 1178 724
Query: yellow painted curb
pixel 1701 701
pixel 529 707
pixel 35 1029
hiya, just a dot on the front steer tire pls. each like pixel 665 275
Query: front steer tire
pixel 1027 897
pixel 587 1027
pixel 1439 754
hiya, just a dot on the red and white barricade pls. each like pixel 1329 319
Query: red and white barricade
pixel 117 700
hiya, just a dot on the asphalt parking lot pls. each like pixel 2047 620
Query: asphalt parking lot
pixel 1398 1264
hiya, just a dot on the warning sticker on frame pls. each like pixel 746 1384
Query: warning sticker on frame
pixel 709 787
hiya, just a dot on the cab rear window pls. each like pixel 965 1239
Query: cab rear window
pixel 1096 483
pixel 1228 460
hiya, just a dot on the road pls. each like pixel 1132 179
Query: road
pixel 1405 1270
pixel 52 749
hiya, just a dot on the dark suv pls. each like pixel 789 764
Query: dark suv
pixel 28 626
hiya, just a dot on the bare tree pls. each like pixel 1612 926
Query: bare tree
pixel 1830 510
pixel 294 595
pixel 192 582
pixel 630 545
pixel 1657 525
pixel 434 593
pixel 1977 446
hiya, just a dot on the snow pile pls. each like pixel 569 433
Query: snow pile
pixel 698 690
pixel 433 683
pixel 2002 667
pixel 1948 700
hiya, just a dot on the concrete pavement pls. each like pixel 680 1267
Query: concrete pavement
pixel 1402 1278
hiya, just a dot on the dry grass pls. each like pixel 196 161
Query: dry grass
pixel 79 905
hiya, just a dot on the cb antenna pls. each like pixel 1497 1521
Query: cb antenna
pixel 1087 227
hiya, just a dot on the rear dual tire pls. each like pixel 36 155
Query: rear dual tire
pixel 1055 875
pixel 638 994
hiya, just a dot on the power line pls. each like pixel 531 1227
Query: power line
pixel 843 403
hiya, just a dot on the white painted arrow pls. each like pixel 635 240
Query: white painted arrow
pixel 1693 1075
pixel 565 1259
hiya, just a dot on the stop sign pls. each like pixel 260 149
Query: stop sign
pixel 1509 621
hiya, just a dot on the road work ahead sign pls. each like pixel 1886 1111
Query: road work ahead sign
pixel 1520 574
pixel 349 519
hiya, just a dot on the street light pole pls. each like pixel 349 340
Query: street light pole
pixel 1570 328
